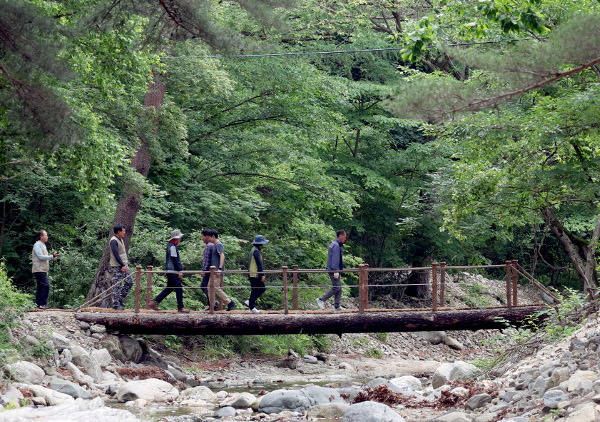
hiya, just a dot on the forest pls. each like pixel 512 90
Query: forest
pixel 464 131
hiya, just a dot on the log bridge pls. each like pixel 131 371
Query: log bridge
pixel 295 321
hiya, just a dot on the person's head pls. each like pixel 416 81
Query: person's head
pixel 119 231
pixel 213 236
pixel 176 236
pixel 205 235
pixel 260 241
pixel 342 236
pixel 42 236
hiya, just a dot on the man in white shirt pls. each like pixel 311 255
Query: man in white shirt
pixel 39 267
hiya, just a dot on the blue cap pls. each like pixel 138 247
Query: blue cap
pixel 260 240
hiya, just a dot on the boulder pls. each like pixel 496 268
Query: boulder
pixel 60 342
pixel 77 410
pixel 433 337
pixel 102 356
pixel 113 345
pixel 11 395
pixel 578 377
pixel 558 376
pixel 177 374
pixel 78 375
pixel 451 371
pixel 152 358
pixel 326 411
pixel 281 400
pixel 82 358
pixel 441 375
pixel 52 397
pixel 477 401
pixel 370 411
pixel 239 401
pixel 225 412
pixel 408 383
pixel 96 328
pixel 150 389
pixel 132 350
pixel 382 381
pixel 320 395
pixel 453 343
pixel 552 398
pixel 70 388
pixel 200 392
pixel 585 414
pixel 25 372
pixel 310 359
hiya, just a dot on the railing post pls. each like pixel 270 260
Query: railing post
pixel 138 287
pixel 434 286
pixel 221 284
pixel 366 286
pixel 149 287
pixel 295 287
pixel 508 284
pixel 442 284
pixel 514 282
pixel 211 291
pixel 285 289
pixel 361 288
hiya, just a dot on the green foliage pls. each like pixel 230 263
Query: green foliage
pixel 476 297
pixel 13 304
pixel 374 353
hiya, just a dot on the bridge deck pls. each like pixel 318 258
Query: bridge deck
pixel 308 322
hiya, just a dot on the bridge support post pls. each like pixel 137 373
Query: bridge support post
pixel 285 289
pixel 149 287
pixel 211 291
pixel 295 287
pixel 442 284
pixel 434 286
pixel 508 284
pixel 514 282
pixel 363 292
pixel 138 287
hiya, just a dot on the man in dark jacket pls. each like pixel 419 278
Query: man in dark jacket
pixel 334 264
pixel 121 276
pixel 255 268
pixel 174 274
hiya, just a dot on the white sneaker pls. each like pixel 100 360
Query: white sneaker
pixel 336 310
pixel 320 303
pixel 247 303
pixel 254 311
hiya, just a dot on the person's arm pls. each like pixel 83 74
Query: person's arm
pixel 335 258
pixel 221 261
pixel 114 247
pixel 259 266
pixel 37 249
pixel 175 258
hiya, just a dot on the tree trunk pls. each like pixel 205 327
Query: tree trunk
pixel 130 202
pixel 584 263
pixel 307 322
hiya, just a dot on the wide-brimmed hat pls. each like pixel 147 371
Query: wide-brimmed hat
pixel 260 240
pixel 176 234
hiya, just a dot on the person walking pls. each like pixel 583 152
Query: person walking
pixel 334 264
pixel 40 265
pixel 174 274
pixel 206 265
pixel 121 276
pixel 255 268
pixel 218 261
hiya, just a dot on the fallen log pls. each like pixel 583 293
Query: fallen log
pixel 307 322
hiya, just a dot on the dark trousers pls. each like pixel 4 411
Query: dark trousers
pixel 42 288
pixel 335 291
pixel 204 284
pixel 258 288
pixel 173 284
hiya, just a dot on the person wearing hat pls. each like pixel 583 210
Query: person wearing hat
pixel 174 274
pixel 255 268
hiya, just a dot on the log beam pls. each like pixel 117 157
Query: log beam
pixel 306 322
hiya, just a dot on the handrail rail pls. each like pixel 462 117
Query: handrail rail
pixel 513 269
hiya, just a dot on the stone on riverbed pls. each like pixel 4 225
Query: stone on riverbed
pixel 280 400
pixel 370 411
pixel 200 392
pixel 327 411
pixel 239 401
pixel 24 371
pixel 150 389
pixel 70 388
pixel 52 397
pixel 75 410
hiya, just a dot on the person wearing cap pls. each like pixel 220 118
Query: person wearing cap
pixel 255 274
pixel 334 264
pixel 218 261
pixel 174 274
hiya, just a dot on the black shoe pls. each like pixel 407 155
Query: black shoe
pixel 119 308
pixel 230 306
pixel 43 307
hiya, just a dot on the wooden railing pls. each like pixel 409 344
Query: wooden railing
pixel 438 285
